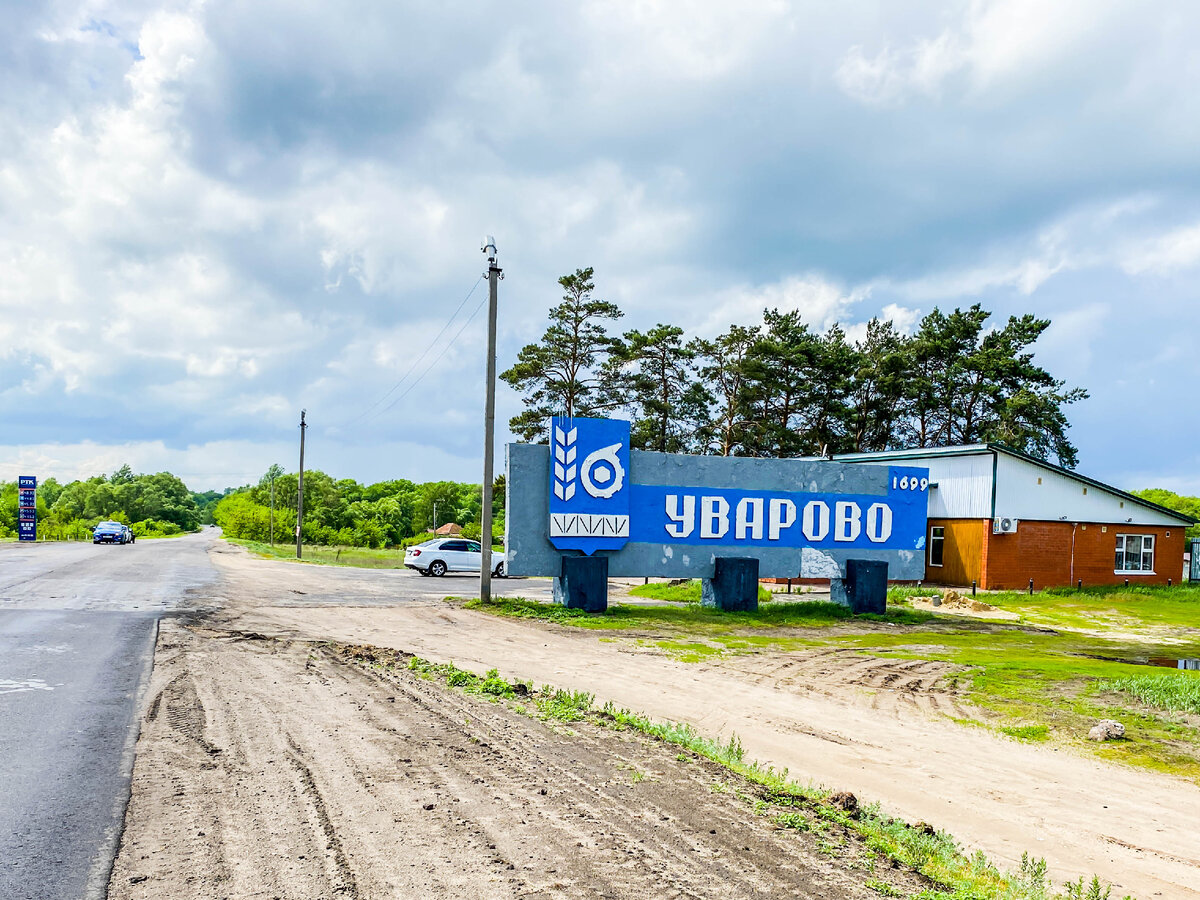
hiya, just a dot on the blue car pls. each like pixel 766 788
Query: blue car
pixel 111 533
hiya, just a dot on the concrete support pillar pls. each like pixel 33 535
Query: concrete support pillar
pixel 583 583
pixel 734 585
pixel 864 589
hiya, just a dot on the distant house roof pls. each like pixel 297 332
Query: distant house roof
pixel 450 528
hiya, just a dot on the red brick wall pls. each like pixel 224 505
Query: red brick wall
pixel 1043 551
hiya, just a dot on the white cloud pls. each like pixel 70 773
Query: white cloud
pixel 219 213
pixel 993 41
pixel 819 301
pixel 1165 253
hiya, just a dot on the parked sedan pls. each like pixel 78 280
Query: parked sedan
pixel 442 555
pixel 111 533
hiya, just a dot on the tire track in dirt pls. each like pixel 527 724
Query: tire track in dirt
pixel 890 685
pixel 276 769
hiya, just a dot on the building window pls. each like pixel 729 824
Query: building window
pixel 937 544
pixel 1135 553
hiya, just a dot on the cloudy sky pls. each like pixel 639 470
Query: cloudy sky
pixel 213 214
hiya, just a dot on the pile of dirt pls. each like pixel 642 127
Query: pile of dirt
pixel 955 600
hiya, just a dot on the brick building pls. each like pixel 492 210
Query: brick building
pixel 999 517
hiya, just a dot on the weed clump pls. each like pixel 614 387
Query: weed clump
pixel 1176 692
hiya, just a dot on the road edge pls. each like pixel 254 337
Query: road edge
pixel 100 872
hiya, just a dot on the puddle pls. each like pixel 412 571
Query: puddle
pixel 1161 662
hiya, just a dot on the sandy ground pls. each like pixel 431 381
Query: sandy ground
pixel 273 769
pixel 875 727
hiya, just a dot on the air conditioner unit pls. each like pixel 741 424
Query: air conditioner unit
pixel 1004 526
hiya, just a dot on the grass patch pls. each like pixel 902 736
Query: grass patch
pixel 691 616
pixel 565 706
pixel 357 557
pixel 1175 692
pixel 1026 680
pixel 1026 732
pixel 1031 684
pixel 1133 608
pixel 687 592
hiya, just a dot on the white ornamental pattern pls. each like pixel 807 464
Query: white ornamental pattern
pixel 565 468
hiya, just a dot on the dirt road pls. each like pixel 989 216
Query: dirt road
pixel 267 767
pixel 844 723
pixel 273 769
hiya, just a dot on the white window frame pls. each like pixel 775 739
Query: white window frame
pixel 1148 546
pixel 941 537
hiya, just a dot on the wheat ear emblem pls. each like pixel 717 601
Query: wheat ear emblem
pixel 564 463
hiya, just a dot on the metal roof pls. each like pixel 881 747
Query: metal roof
pixel 992 447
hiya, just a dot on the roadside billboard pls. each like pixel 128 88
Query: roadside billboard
pixel 671 515
pixel 27 508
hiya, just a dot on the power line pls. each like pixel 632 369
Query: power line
pixel 434 362
pixel 417 361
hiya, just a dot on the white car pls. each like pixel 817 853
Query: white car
pixel 442 555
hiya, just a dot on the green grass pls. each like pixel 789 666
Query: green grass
pixel 1026 732
pixel 1147 608
pixel 358 557
pixel 1177 691
pixel 1041 685
pixel 701 619
pixel 1031 684
pixel 688 592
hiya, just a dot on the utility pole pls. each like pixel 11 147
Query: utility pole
pixel 494 274
pixel 272 509
pixel 300 490
pixel 435 503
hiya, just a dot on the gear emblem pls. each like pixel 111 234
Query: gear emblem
pixel 602 474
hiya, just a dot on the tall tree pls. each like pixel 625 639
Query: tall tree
pixel 565 372
pixel 826 420
pixel 778 369
pixel 966 386
pixel 722 366
pixel 658 382
pixel 878 387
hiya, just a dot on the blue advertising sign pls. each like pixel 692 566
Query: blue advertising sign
pixel 26 508
pixel 740 518
pixel 589 484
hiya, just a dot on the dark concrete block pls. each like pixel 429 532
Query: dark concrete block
pixel 734 585
pixel 583 583
pixel 866 585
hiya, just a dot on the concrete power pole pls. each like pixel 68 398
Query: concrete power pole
pixel 489 424
pixel 300 490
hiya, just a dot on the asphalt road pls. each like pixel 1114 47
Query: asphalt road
pixel 77 630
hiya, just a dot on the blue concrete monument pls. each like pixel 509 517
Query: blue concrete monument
pixel 587 495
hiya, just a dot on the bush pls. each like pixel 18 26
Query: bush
pixel 155 528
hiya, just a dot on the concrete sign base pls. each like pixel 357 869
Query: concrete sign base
pixel 583 583
pixel 734 585
pixel 864 589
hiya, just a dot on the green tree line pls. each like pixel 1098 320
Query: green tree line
pixel 158 504
pixel 780 387
pixel 344 512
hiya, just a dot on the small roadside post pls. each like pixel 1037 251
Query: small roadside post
pixel 300 490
